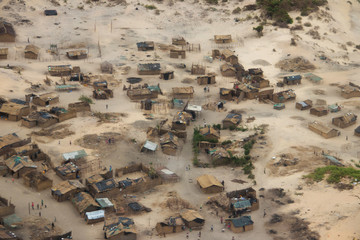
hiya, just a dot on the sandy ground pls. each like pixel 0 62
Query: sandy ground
pixel 333 214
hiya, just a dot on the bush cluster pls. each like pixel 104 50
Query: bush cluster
pixel 278 9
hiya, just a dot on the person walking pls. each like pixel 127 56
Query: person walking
pixel 212 228
pixel 264 213
pixel 221 220
pixel 32 205
pixel 187 235
pixel 42 202
pixel 200 234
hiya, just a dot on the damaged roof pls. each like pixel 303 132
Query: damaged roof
pixel 191 215
pixel 94 179
pixel 182 117
pixel 15 163
pixel 32 48
pixel 208 130
pixel 233 117
pixel 149 67
pixel 183 90
pixel 8 140
pixel 347 118
pixel 104 185
pixel 6 28
pixel 169 138
pixel 121 225
pixel 67 168
pixel 83 200
pixel 67 186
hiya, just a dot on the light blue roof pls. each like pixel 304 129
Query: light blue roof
pixel 150 145
pixel 104 202
pixel 74 155
pixel 95 214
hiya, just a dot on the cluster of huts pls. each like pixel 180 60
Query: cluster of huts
pixel 235 203
pixel 27 110
pixel 102 197
pixel 25 160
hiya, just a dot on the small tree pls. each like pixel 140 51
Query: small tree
pixel 259 29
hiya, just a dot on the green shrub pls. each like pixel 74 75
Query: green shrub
pixel 242 129
pixel 236 10
pixel 335 174
pixel 278 9
pixel 150 7
pixel 248 168
pixel 196 161
pixel 214 2
pixel 259 29
pixel 226 142
pixel 86 99
pixel 217 126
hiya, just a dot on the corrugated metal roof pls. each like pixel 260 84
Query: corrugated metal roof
pixel 75 155
pixel 150 145
pixel 95 214
pixel 104 202
pixel 149 67
pixel 241 221
pixel 242 204
pixel 195 108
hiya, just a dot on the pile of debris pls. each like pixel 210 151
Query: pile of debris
pixel 297 64
pixel 286 160
pixel 94 141
pixel 58 132
pixel 176 203
pixel 214 106
pixel 109 117
pixel 296 228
